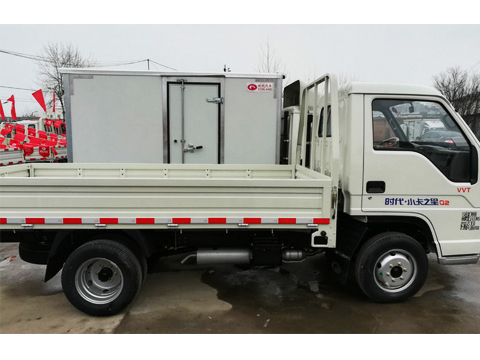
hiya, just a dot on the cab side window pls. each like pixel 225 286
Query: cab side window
pixel 427 128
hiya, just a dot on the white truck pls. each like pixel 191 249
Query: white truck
pixel 374 201
pixel 9 154
pixel 49 126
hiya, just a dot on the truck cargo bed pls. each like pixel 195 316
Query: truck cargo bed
pixel 162 196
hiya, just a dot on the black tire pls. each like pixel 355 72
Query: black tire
pixel 144 266
pixel 101 277
pixel 138 254
pixel 391 267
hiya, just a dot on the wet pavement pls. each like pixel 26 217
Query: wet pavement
pixel 298 298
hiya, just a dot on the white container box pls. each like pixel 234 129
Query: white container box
pixel 155 117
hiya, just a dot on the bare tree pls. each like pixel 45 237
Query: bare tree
pixel 27 114
pixel 462 89
pixel 54 57
pixel 345 79
pixel 268 61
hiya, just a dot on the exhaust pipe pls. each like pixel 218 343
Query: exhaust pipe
pixel 187 258
pixel 220 256
pixel 293 255
pixel 236 256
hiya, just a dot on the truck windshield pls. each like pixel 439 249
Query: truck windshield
pixel 424 127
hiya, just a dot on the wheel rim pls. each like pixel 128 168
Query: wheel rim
pixel 99 281
pixel 395 270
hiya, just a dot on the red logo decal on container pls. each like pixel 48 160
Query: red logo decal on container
pixel 44 151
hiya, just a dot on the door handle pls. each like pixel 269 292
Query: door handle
pixel 376 187
pixel 191 148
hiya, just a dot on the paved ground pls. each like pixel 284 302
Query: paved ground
pixel 298 298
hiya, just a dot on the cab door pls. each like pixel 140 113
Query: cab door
pixel 433 176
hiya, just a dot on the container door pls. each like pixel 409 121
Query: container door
pixel 193 120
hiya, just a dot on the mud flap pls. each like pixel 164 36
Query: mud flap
pixel 350 234
pixel 57 257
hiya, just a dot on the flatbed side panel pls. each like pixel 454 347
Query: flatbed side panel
pixel 47 170
pixel 181 198
pixel 218 196
pixel 163 171
pixel 21 170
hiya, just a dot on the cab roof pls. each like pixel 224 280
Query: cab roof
pixel 397 89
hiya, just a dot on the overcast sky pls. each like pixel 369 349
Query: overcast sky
pixel 373 53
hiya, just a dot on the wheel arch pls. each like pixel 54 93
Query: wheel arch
pixel 413 226
pixel 354 231
pixel 67 241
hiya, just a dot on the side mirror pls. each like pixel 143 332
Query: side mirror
pixel 291 94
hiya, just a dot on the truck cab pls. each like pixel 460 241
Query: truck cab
pixel 391 182
pixel 46 123
pixel 433 182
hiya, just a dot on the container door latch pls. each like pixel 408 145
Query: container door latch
pixel 215 100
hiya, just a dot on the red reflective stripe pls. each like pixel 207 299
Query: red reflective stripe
pixel 321 221
pixel 108 221
pixel 217 220
pixel 181 220
pixel 174 220
pixel 72 220
pixel 35 221
pixel 145 221
pixel 287 221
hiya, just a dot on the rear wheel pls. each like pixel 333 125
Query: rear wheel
pixel 391 267
pixel 101 277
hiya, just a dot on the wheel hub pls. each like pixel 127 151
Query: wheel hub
pixel 395 270
pixel 99 281
pixel 105 274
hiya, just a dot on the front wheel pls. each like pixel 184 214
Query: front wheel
pixel 391 267
pixel 101 277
